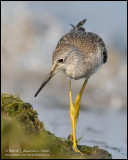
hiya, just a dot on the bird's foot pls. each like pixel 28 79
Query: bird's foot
pixel 77 150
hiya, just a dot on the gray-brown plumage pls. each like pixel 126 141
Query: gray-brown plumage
pixel 82 52
pixel 78 54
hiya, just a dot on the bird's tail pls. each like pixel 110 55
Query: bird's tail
pixel 78 27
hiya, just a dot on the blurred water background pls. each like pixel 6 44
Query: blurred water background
pixel 30 32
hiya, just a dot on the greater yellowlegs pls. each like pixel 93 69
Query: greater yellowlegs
pixel 79 54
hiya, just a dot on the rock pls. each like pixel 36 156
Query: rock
pixel 24 136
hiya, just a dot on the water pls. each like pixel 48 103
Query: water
pixel 101 16
pixel 107 129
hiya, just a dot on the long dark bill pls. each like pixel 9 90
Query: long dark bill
pixel 49 76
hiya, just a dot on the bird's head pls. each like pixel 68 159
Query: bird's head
pixel 59 63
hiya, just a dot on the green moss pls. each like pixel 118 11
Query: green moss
pixel 23 112
pixel 21 129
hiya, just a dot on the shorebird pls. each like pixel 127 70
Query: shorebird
pixel 78 54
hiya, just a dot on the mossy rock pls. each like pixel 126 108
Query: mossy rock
pixel 12 105
pixel 24 136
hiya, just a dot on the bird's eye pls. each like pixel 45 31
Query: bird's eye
pixel 60 60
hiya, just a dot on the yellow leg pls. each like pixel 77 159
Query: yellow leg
pixel 77 101
pixel 72 115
